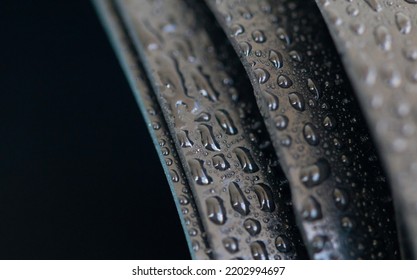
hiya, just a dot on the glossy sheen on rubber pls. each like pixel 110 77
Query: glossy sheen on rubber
pixel 339 192
pixel 158 129
pixel 378 43
pixel 243 208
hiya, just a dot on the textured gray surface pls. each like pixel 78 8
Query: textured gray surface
pixel 241 201
pixel 158 129
pixel 340 195
pixel 378 44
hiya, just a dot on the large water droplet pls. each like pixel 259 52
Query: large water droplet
pixel 220 162
pixel 231 244
pixel 203 117
pixel 265 198
pixel 403 22
pixel 245 48
pixel 283 244
pixel 246 160
pixel 258 36
pixel 238 199
pixel 184 140
pixel 276 59
pixel 297 101
pixel 311 209
pixel 262 75
pixel 215 210
pixel 207 138
pixel 316 173
pixel 226 122
pixel 272 100
pixel 252 226
pixel 383 38
pixel 310 134
pixel 284 81
pixel 199 172
pixel 258 250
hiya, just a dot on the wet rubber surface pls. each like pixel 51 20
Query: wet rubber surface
pixel 244 94
pixel 339 190
pixel 377 41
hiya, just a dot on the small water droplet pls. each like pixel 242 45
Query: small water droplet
pixel 318 243
pixel 374 4
pixel 281 122
pixel 329 122
pixel 285 140
pixel 358 28
pixel 258 36
pixel 282 244
pixel 237 29
pixel 283 35
pixel 312 87
pixel 311 209
pixel 258 250
pixel 276 59
pixel 315 174
pixel 297 101
pixel 252 226
pixel 295 56
pixel 199 172
pixel 203 117
pixel 352 11
pixel 174 176
pixel 341 198
pixel 215 210
pixel 238 200
pixel 265 198
pixel 231 244
pixel 262 75
pixel 310 134
pixel 245 48
pixel 347 223
pixel 284 81
pixel 246 160
pixel 220 162
pixel 225 121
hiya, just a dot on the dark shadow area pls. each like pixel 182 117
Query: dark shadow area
pixel 79 176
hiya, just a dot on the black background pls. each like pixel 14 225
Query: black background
pixel 79 176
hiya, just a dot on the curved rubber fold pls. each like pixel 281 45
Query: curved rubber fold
pixel 341 198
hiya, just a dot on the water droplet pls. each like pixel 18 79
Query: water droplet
pixel 285 140
pixel 341 198
pixel 347 223
pixel 237 29
pixel 252 226
pixel 311 209
pixel 297 101
pixel 403 22
pixel 165 151
pixel 284 81
pixel 258 250
pixel 231 244
pixel 203 117
pixel 411 1
pixel 374 4
pixel 220 162
pixel 258 36
pixel 156 125
pixel 246 160
pixel 238 200
pixel 282 244
pixel 245 48
pixel 226 122
pixel 184 140
pixel 383 38
pixel 183 200
pixel 207 138
pixel 411 53
pixel 272 100
pixel 352 11
pixel 215 210
pixel 358 28
pixel 276 59
pixel 174 176
pixel 281 122
pixel 199 172
pixel 313 88
pixel 262 75
pixel 329 122
pixel 310 134
pixel 316 173
pixel 265 198
pixel 295 56
pixel 283 35
pixel 318 243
